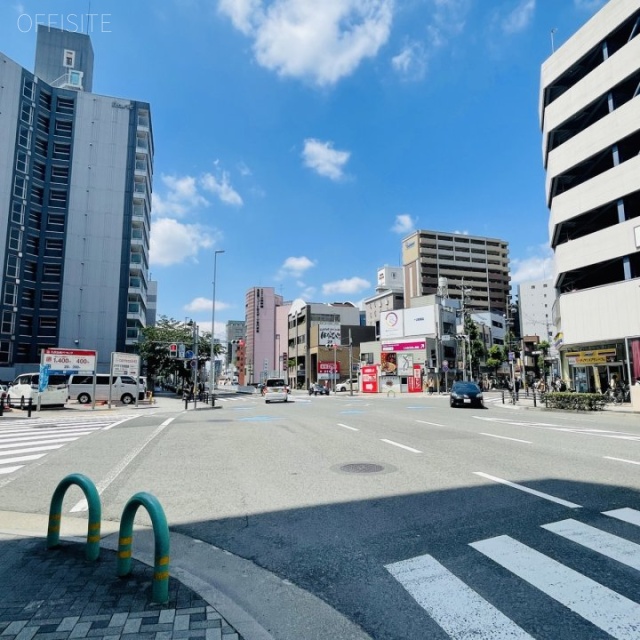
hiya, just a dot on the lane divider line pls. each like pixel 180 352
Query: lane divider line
pixel 83 505
pixel 493 435
pixel 402 446
pixel 620 460
pixel 433 424
pixel 346 426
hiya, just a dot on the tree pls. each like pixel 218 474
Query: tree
pixel 496 358
pixel 154 348
pixel 543 347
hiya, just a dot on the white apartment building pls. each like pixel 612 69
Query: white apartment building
pixel 590 119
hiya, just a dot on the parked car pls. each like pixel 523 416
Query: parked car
pixel 318 390
pixel 348 385
pixel 466 394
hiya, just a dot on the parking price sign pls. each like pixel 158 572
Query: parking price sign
pixel 68 361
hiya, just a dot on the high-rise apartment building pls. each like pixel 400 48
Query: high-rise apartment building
pixel 260 347
pixel 590 118
pixel 75 203
pixel 476 265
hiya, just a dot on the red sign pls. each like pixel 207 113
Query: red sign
pixel 328 367
pixel 369 376
pixel 415 381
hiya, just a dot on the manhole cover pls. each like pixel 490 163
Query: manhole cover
pixel 362 467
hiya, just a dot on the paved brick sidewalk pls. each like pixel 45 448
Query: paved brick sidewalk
pixel 58 595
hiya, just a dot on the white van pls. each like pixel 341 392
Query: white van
pixel 123 388
pixel 25 387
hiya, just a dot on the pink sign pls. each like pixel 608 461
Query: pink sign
pixel 369 376
pixel 405 346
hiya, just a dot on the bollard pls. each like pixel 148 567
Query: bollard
pixel 534 398
pixel 92 550
pixel 186 402
pixel 29 407
pixel 503 396
pixel 160 586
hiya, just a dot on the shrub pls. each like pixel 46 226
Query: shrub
pixel 574 401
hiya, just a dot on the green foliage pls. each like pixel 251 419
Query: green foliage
pixel 496 357
pixel 574 401
pixel 544 347
pixel 154 348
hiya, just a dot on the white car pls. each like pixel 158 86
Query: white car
pixel 347 385
pixel 275 390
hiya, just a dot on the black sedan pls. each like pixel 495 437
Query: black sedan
pixel 466 394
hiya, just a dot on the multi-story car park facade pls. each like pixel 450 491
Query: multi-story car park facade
pixel 75 203
pixel 477 265
pixel 590 118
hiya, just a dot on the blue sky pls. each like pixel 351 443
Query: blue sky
pixel 306 138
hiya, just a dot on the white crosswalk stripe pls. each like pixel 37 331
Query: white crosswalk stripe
pixel 23 441
pixel 464 614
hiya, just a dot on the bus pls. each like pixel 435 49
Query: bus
pixel 25 387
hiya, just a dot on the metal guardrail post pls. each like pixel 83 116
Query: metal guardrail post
pixel 160 586
pixel 92 550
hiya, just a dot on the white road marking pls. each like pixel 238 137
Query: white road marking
pixel 493 435
pixel 7 470
pixel 600 541
pixel 457 608
pixel 608 610
pixel 620 460
pixel 520 487
pixel 30 450
pixel 346 426
pixel 402 446
pixel 433 424
pixel 39 442
pixel 83 505
pixel 115 424
pixel 632 516
pixel 22 458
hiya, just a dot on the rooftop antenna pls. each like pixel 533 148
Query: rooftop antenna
pixel 553 47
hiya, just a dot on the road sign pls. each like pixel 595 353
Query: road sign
pixel 125 364
pixel 446 337
pixel 445 365
pixel 194 364
pixel 180 351
pixel 188 355
pixel 173 350
pixel 512 356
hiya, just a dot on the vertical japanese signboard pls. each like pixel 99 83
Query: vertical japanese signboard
pixel 369 376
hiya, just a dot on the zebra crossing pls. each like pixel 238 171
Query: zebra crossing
pixel 25 441
pixel 462 613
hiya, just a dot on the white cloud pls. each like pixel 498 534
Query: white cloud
pixel 244 169
pixel 346 286
pixel 538 266
pixel 205 304
pixel 222 188
pixel 322 41
pixel 173 242
pixel 520 18
pixel 295 267
pixel 181 198
pixel 404 224
pixel 324 159
pixel 448 18
pixel 411 62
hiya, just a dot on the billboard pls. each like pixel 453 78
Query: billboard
pixel 68 361
pixel 369 378
pixel 392 324
pixel 328 333
pixel 420 321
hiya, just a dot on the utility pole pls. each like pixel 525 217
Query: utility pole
pixel 350 364
pixel 194 370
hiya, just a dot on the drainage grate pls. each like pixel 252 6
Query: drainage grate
pixel 362 467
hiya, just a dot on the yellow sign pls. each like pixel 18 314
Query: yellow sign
pixel 597 356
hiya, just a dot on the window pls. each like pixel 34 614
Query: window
pixel 63 128
pixel 39 170
pixel 15 239
pixel 52 272
pixel 13 266
pixel 17 212
pixel 48 323
pixel 61 150
pixel 8 320
pixel 33 245
pixel 31 271
pixel 10 293
pixel 5 351
pixel 60 175
pixel 55 222
pixel 20 187
pixel 26 113
pixel 53 248
pixel 29 298
pixel 24 137
pixel 57 198
pixel 27 89
pixel 35 219
pixel 43 123
pixel 45 100
pixel 42 147
pixel 50 297
pixel 37 195
pixel 69 58
pixel 22 162
pixel 75 78
pixel 65 105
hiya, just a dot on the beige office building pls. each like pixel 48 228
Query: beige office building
pixel 474 263
pixel 590 119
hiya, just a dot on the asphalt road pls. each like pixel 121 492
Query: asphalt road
pixel 413 519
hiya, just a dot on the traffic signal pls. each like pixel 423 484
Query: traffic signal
pixel 173 350
pixel 433 358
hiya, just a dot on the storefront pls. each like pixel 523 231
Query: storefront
pixel 590 370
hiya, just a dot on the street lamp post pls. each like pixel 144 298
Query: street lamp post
pixel 212 384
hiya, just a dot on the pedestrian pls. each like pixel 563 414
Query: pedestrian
pixel 431 385
pixel 613 383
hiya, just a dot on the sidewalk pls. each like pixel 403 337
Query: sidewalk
pixel 494 399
